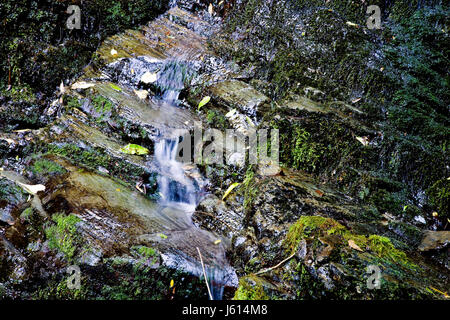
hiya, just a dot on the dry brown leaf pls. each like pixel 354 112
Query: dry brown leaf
pixel 353 245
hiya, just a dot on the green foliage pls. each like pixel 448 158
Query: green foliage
pixel 249 188
pixel 71 102
pixel 64 236
pixel 204 101
pixel 44 166
pixel 19 93
pixel 316 226
pixel 38 49
pixel 216 119
pixel 250 289
pixel 27 214
pixel 102 105
pixel 439 196
pixel 305 153
pixel 93 159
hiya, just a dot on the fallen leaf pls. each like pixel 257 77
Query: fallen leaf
pixel 319 193
pixel 249 121
pixel 204 101
pixel 211 9
pixel 351 24
pixel 353 245
pixel 135 149
pixel 230 113
pixel 82 85
pixel 149 77
pixel 142 94
pixel 62 89
pixel 363 140
pixel 230 188
pixel 33 189
pixel 443 293
pixel 115 87
pixel 217 241
pixel 162 235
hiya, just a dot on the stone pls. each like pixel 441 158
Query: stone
pixel 434 240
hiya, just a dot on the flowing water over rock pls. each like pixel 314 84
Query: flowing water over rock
pixel 287 233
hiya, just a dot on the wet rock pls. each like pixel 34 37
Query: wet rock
pixel 235 94
pixel 434 240
pixel 12 198
pixel 213 214
pixel 115 218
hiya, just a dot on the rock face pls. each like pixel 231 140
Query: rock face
pixel 346 214
pixel 434 240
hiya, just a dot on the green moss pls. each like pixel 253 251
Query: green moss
pixel 317 226
pixel 250 189
pixel 19 93
pixel 27 214
pixel 308 226
pixel 60 291
pixel 44 166
pixel 64 236
pixel 102 104
pixel 93 159
pixel 439 196
pixel 71 102
pixel 384 248
pixel 305 153
pixel 250 288
pixel 149 256
pixel 216 119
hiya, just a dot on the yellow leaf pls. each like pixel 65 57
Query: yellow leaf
pixel 353 245
pixel 172 283
pixel 230 188
pixel 217 241
pixel 204 101
pixel 443 293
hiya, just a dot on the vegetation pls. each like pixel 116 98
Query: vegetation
pixel 64 236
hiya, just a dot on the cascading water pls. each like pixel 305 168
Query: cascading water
pixel 176 188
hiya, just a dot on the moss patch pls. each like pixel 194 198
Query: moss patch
pixel 64 236
pixel 250 288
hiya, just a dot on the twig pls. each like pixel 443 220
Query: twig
pixel 204 273
pixel 274 267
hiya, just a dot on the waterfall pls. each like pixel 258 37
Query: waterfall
pixel 177 189
pixel 174 186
